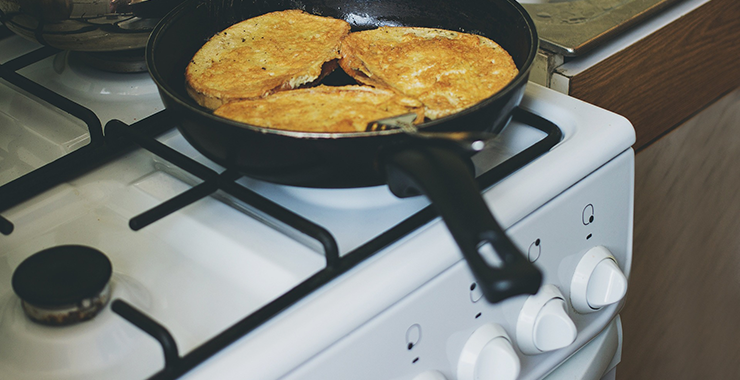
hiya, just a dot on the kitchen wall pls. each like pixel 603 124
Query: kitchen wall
pixel 682 315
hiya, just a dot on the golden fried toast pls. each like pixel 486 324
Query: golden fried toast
pixel 447 71
pixel 258 56
pixel 322 108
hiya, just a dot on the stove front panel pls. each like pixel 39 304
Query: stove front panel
pixel 427 330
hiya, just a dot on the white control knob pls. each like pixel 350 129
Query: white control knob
pixel 544 324
pixel 597 281
pixel 553 328
pixel 430 375
pixel 488 355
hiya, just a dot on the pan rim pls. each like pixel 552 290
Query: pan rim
pixel 175 96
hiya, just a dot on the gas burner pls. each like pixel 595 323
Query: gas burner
pixel 63 285
pixel 123 61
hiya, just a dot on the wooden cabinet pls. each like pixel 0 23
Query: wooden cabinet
pixel 661 80
pixel 678 85
pixel 681 315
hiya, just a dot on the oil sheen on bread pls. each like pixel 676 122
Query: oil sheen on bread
pixel 256 57
pixel 448 71
pixel 333 109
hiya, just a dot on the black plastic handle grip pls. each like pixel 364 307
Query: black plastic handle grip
pixel 445 177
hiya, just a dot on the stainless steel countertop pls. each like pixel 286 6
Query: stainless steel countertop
pixel 571 28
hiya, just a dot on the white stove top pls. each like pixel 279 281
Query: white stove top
pixel 207 266
pixel 335 311
pixel 35 134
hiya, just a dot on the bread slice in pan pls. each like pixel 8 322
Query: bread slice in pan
pixel 448 71
pixel 258 56
pixel 322 108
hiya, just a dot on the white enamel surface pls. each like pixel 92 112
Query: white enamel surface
pixel 445 311
pixel 430 375
pixel 34 134
pixel 207 266
pixel 200 271
pixel 98 348
pixel 593 136
pixel 128 97
pixel 596 358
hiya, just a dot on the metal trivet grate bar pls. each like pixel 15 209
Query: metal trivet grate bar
pixel 70 165
pixel 176 365
pixel 212 181
pixel 33 183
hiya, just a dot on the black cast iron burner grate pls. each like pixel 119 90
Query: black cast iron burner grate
pixel 70 165
pixel 176 365
pixel 121 138
pixel 31 184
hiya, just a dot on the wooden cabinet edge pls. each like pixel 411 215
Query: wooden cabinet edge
pixel 668 76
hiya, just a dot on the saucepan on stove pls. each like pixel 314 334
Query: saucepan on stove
pixel 408 164
pixel 82 25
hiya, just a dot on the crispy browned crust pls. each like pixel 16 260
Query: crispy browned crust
pixel 322 109
pixel 448 71
pixel 256 57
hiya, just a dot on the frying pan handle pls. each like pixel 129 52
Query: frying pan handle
pixel 446 179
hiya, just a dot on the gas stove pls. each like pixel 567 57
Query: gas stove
pixel 215 275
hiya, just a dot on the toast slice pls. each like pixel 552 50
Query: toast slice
pixel 448 71
pixel 258 56
pixel 322 109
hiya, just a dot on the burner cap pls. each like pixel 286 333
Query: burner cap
pixel 62 276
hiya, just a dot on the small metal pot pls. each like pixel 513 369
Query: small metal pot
pixel 85 25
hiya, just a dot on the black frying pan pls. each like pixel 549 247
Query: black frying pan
pixel 408 164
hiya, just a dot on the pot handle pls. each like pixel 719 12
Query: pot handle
pixel 446 178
